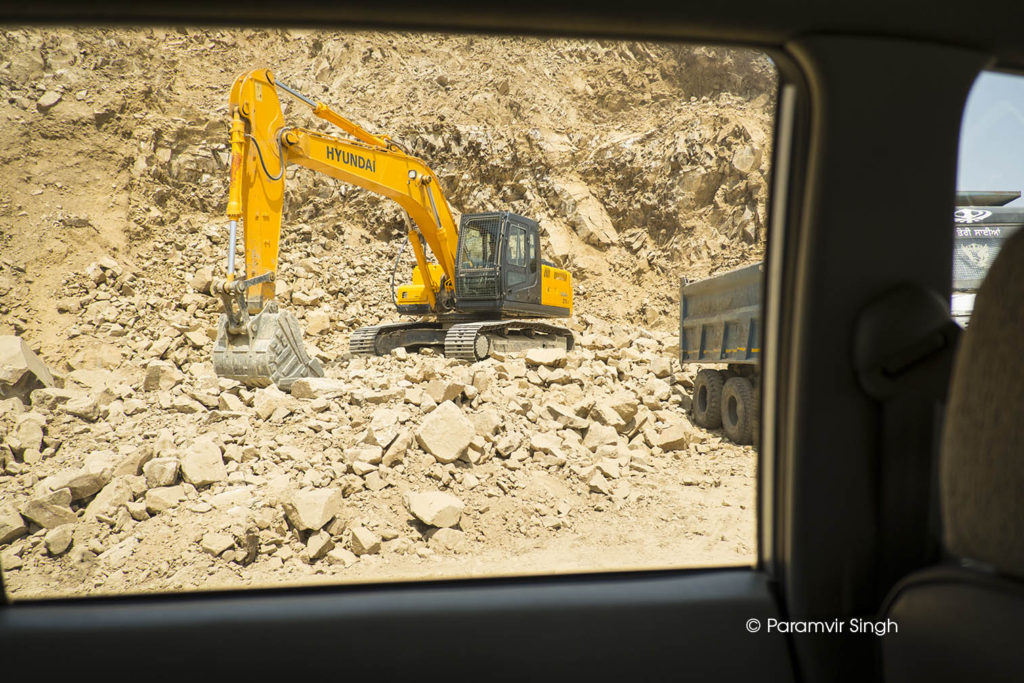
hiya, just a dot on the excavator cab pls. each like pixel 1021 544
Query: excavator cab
pixel 499 269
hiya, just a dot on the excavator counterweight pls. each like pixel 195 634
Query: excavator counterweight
pixel 485 292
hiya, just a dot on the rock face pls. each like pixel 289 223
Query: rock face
pixel 557 443
pixel 435 508
pixel 21 370
pixel 446 433
pixel 202 464
pixel 311 509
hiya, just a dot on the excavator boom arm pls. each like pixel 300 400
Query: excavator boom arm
pixel 267 146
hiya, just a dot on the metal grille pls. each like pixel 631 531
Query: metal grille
pixel 474 281
pixel 477 286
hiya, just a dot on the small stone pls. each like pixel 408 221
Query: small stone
pixel 657 389
pixel 9 561
pixel 317 547
pixel 115 494
pixel 230 402
pixel 342 556
pixel 674 437
pixel 215 542
pixel 319 387
pixel 29 431
pixel 364 541
pixel 310 509
pixel 398 448
pixel 447 539
pixel 161 472
pixel 202 279
pixel 163 498
pixel 486 422
pixel 137 509
pixel 81 483
pixel 551 358
pixel 163 446
pixel 598 483
pixel 365 454
pixel 161 376
pixel 545 443
pixel 384 427
pixel 661 367
pixel 86 407
pixel 435 508
pixel 118 554
pixel 442 391
pixel 363 468
pixel 374 482
pixel 608 467
pixel 317 322
pixel 600 435
pixel 604 413
pixel 58 540
pixel 270 400
pixel 49 99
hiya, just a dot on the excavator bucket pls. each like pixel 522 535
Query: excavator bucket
pixel 266 349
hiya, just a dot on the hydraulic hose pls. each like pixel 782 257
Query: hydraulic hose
pixel 280 156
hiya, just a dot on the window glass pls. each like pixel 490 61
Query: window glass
pixel 990 181
pixel 127 464
pixel 478 244
pixel 517 246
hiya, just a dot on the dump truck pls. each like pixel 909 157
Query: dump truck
pixel 720 323
pixel 720 317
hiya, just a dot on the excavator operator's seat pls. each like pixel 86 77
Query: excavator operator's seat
pixel 965 620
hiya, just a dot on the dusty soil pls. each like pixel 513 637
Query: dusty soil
pixel 643 163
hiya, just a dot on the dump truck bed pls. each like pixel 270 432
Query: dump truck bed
pixel 720 319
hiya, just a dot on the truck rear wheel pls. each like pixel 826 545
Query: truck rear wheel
pixel 707 399
pixel 738 410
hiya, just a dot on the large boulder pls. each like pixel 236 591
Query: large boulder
pixel 50 511
pixel 203 464
pixel 12 525
pixel 446 433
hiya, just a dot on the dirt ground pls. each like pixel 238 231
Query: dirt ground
pixel 643 164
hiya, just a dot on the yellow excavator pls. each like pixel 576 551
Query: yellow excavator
pixel 487 291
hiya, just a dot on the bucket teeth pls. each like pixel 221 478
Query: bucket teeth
pixel 272 352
